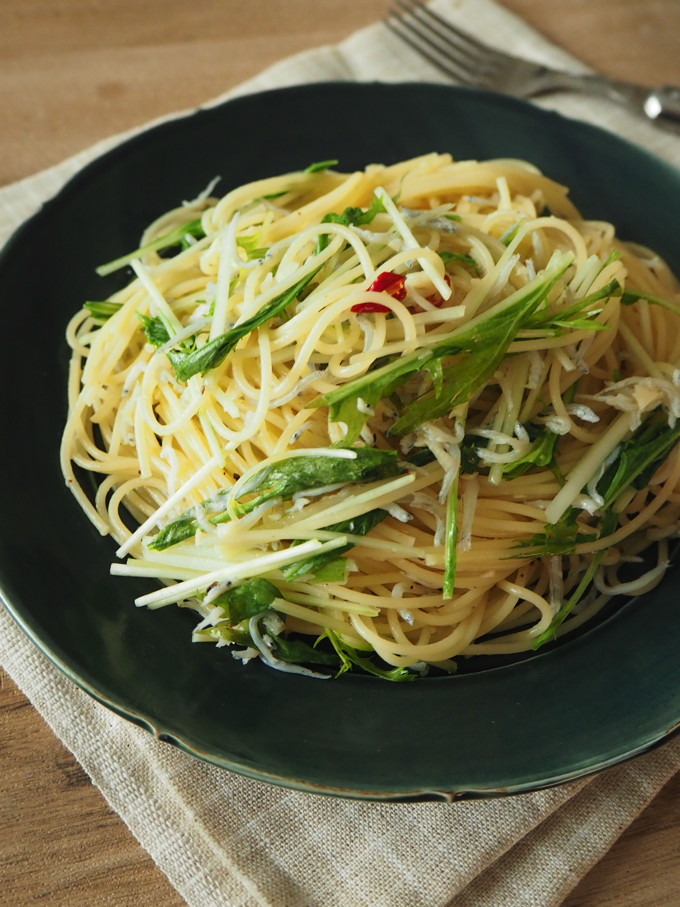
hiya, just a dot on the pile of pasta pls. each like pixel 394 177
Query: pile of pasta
pixel 418 412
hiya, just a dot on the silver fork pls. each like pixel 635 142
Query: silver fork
pixel 476 65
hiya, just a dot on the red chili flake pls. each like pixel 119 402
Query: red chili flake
pixel 387 282
pixel 437 299
pixel 365 308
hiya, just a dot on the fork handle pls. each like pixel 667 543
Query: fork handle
pixel 661 105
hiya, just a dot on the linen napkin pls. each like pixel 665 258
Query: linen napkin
pixel 226 840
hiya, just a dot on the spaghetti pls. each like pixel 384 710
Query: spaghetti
pixel 421 411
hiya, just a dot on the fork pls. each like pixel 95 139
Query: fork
pixel 477 65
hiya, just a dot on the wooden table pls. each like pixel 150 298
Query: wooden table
pixel 75 71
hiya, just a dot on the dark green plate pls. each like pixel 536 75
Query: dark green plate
pixel 586 704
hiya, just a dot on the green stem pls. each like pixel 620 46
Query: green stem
pixel 451 551
pixel 174 238
pixel 565 610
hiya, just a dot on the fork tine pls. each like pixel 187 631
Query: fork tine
pixel 461 40
pixel 437 48
pixel 428 49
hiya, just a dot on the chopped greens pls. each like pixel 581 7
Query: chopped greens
pixel 566 318
pixel 215 351
pixel 629 297
pixel 320 165
pixel 558 538
pixel 255 596
pixel 223 631
pixel 606 528
pixel 297 652
pixel 179 530
pixel 467 260
pixel 250 247
pixel 639 458
pixel 551 632
pixel 349 657
pixel 284 479
pixel 333 571
pixel 360 525
pixel 351 217
pixel 488 336
pixel 155 331
pixel 469 454
pixel 511 233
pixel 174 238
pixel 102 311
pixel 246 600
pixel 542 452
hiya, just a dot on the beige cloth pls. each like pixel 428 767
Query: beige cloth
pixel 225 840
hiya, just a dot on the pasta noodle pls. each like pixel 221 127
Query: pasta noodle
pixel 423 411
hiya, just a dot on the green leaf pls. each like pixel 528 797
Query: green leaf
pixel 639 457
pixel 156 332
pixel 297 652
pixel 541 454
pixel 250 247
pixel 607 526
pixel 558 328
pixel 335 571
pixel 629 297
pixel 215 352
pixel 286 477
pixel 249 244
pixel 174 238
pixel 489 342
pixel 460 382
pixel 223 631
pixel 371 388
pixel 564 316
pixel 421 457
pixel 320 165
pixel 487 336
pixel 360 525
pixel 357 217
pixel 184 527
pixel 559 538
pixel 469 458
pixel 349 657
pixel 350 217
pixel 102 311
pixel 467 260
pixel 246 600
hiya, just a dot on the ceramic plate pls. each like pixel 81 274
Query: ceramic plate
pixel 585 704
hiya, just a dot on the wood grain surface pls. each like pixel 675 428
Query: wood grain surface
pixel 75 71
